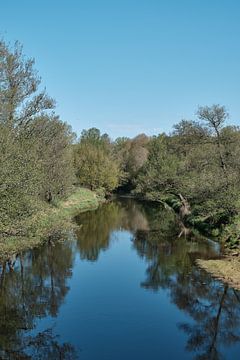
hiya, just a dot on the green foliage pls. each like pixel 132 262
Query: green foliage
pixel 35 146
pixel 51 139
pixel 94 162
pixel 51 221
pixel 200 162
pixel 131 154
pixel 159 174
pixel 230 235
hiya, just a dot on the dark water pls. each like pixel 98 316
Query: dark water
pixel 123 286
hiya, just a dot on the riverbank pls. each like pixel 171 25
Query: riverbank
pixel 52 222
pixel 226 269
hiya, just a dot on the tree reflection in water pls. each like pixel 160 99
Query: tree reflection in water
pixel 213 307
pixel 34 289
pixel 96 227
pixel 34 285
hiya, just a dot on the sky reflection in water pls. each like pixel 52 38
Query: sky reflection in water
pixel 123 287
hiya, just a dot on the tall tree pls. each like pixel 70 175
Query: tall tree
pixel 35 146
pixel 20 100
pixel 215 116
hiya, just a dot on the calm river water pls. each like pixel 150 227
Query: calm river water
pixel 122 286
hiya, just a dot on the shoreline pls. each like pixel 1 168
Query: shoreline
pixel 56 221
pixel 226 268
pixel 53 220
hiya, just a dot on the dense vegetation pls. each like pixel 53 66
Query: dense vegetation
pixel 195 169
pixel 94 162
pixel 35 158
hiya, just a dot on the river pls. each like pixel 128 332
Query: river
pixel 121 286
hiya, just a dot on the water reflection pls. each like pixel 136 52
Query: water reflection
pixel 95 228
pixel 213 307
pixel 216 314
pixel 33 288
pixel 93 234
pixel 34 285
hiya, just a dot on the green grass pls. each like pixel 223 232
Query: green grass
pixel 81 200
pixel 53 221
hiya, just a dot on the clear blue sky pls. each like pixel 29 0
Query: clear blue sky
pixel 131 66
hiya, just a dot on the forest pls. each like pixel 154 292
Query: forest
pixel 193 170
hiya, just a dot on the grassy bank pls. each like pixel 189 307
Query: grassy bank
pixel 226 269
pixel 52 221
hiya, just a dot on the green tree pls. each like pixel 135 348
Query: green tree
pixel 35 146
pixel 131 154
pixel 20 100
pixel 159 175
pixel 52 140
pixel 94 162
pixel 215 116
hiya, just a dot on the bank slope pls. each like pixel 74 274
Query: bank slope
pixel 52 222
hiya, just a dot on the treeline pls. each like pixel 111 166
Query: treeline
pixel 106 165
pixel 195 169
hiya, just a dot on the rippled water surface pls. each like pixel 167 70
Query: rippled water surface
pixel 122 286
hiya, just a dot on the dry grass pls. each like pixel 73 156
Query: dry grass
pixel 226 269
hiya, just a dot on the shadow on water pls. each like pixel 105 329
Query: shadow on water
pixel 36 284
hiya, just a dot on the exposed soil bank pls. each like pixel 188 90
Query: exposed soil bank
pixel 52 221
pixel 226 269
